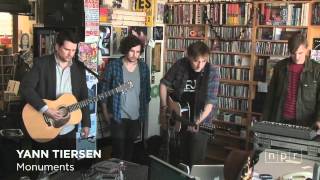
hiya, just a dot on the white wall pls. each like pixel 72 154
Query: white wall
pixel 153 127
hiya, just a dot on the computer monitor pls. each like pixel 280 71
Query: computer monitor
pixel 160 170
pixel 316 171
pixel 208 172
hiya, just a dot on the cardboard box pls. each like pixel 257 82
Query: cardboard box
pixel 9 96
pixel 13 87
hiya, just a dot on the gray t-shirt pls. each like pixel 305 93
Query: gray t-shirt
pixel 130 100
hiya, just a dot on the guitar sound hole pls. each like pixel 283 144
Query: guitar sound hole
pixel 66 116
pixel 64 111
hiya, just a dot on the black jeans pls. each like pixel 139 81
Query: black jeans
pixel 187 147
pixel 193 147
pixel 123 135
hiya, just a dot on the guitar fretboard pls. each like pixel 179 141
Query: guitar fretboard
pixel 99 97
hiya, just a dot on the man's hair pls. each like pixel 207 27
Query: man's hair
pixel 295 41
pixel 66 35
pixel 197 49
pixel 129 42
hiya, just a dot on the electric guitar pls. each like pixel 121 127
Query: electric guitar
pixel 42 128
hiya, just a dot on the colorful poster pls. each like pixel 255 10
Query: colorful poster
pixel 88 54
pixel 91 9
pixel 105 41
pixel 118 33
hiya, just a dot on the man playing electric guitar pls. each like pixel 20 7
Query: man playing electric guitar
pixel 194 81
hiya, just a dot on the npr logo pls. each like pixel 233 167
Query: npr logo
pixel 283 157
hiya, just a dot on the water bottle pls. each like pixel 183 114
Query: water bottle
pixel 121 171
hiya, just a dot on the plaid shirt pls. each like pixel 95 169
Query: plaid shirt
pixel 177 77
pixel 114 77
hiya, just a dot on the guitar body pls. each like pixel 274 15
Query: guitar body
pixel 36 125
pixel 179 114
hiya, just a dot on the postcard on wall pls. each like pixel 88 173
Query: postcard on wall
pixel 105 40
pixel 118 33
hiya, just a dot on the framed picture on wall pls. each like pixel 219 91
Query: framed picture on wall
pixel 158 33
pixel 118 33
pixel 105 40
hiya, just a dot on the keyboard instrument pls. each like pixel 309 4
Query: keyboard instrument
pixel 287 130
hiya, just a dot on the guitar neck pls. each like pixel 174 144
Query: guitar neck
pixel 88 101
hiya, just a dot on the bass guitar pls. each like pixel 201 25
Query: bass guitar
pixel 42 128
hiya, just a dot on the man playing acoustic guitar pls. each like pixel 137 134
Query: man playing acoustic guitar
pixel 194 81
pixel 50 77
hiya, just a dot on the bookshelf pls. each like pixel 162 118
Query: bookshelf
pixel 229 37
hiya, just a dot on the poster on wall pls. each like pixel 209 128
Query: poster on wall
pixel 118 33
pixel 140 32
pixel 315 52
pixel 105 40
pixel 159 14
pixel 91 9
pixel 88 55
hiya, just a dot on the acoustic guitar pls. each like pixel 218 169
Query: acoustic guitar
pixel 42 128
pixel 178 115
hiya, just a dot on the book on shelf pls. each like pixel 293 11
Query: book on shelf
pixel 265 33
pixel 294 14
pixel 229 59
pixel 272 48
pixel 219 13
pixel 316 14
pixel 128 23
pixel 232 90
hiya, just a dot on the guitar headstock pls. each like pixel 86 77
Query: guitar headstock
pixel 125 86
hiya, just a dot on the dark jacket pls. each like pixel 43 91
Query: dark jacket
pixel 40 83
pixel 308 98
pixel 176 79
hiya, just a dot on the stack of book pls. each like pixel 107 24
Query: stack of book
pixel 128 18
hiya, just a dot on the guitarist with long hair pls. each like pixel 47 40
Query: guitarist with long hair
pixel 194 81
pixel 50 77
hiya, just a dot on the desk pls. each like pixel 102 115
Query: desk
pixel 99 171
